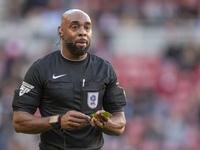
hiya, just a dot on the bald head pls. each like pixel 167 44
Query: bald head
pixel 76 32
pixel 72 13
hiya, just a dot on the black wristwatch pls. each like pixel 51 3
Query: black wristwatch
pixel 55 121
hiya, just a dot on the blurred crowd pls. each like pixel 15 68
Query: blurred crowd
pixel 161 76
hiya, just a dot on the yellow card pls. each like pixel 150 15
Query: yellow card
pixel 105 113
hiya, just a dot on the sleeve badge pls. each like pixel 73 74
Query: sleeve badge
pixel 25 88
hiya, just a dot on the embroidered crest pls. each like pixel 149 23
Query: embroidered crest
pixel 25 88
pixel 92 99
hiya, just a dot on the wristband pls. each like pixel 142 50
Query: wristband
pixel 55 121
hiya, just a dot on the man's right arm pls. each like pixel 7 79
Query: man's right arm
pixel 27 123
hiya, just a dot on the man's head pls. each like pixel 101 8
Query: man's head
pixel 75 31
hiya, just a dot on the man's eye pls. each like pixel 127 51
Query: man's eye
pixel 87 28
pixel 75 27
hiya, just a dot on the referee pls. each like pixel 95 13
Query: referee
pixel 68 86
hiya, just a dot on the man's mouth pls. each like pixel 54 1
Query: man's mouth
pixel 82 42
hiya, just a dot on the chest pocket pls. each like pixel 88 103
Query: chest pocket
pixel 59 95
pixel 93 93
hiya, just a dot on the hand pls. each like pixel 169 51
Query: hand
pixel 100 121
pixel 74 120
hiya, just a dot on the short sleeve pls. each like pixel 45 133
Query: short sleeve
pixel 114 97
pixel 27 96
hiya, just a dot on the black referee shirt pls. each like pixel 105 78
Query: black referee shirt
pixel 56 85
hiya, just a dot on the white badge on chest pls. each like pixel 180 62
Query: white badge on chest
pixel 92 99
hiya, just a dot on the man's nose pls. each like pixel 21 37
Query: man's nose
pixel 82 31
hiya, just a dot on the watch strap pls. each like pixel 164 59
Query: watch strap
pixel 55 121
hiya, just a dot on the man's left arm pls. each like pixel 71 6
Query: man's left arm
pixel 113 101
pixel 114 125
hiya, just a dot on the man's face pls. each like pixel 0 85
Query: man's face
pixel 77 33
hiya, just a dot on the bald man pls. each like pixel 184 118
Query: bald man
pixel 68 86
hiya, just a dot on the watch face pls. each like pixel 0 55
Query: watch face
pixel 54 119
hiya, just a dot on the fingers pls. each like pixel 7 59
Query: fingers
pixel 74 120
pixel 78 117
pixel 99 121
pixel 73 125
pixel 102 118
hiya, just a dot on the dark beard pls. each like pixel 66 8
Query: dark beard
pixel 75 50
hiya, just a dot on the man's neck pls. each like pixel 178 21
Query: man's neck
pixel 71 57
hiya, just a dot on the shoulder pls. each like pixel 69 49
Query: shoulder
pixel 101 65
pixel 46 60
pixel 96 59
pixel 40 68
pixel 49 57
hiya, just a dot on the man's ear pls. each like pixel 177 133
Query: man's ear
pixel 59 32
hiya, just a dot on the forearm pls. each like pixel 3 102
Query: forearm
pixel 28 123
pixel 115 125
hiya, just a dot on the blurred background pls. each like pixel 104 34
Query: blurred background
pixel 154 45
